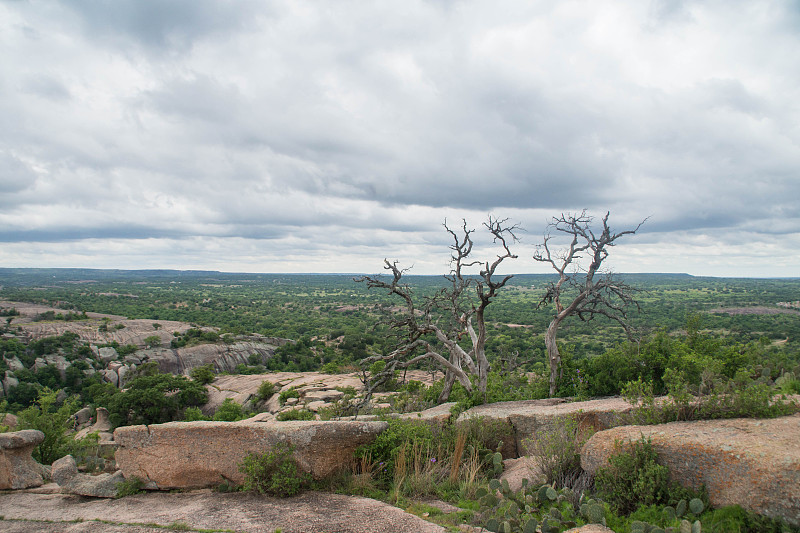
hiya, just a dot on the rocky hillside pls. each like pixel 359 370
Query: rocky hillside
pixel 112 345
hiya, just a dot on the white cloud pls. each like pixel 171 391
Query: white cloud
pixel 302 136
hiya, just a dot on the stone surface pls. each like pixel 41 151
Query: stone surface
pixel 438 415
pixel 749 462
pixel 525 418
pixel 82 416
pixel 590 528
pixel 101 425
pixel 18 470
pixel 64 470
pixel 204 454
pixel 107 354
pixel 65 474
pixel 515 470
pixel 312 512
pixel 9 420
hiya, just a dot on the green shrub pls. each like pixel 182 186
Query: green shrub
pixel 154 398
pixel 634 478
pixel 275 473
pixel 53 422
pixel 291 392
pixel 203 374
pixel 559 449
pixel 193 414
pixel 129 487
pixel 229 411
pixel 295 414
pixel 265 391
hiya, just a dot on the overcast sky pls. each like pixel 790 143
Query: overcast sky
pixel 292 136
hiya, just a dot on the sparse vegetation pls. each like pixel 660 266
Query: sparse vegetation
pixel 275 472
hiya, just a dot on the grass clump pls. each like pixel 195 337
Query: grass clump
pixel 129 487
pixel 295 414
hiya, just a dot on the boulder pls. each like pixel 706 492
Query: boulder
pixel 9 381
pixel 590 528
pixel 64 470
pixel 523 419
pixel 14 364
pixel 107 354
pixel 111 376
pixel 82 416
pixel 60 362
pixel 748 462
pixel 224 357
pixel 435 416
pixel 515 470
pixel 121 372
pixel 65 473
pixel 9 420
pixel 18 470
pixel 323 396
pixel 102 424
pixel 180 455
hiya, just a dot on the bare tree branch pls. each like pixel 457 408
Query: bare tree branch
pixel 592 291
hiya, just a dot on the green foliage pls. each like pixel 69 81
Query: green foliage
pixel 130 486
pixel 265 391
pixel 229 411
pixel 53 421
pixel 193 414
pixel 152 341
pixel 291 392
pixel 558 447
pixel 295 414
pixel 153 398
pixel 203 374
pixel 275 473
pixel 634 478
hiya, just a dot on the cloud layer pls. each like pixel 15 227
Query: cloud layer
pixel 304 136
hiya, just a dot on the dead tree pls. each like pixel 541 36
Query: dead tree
pixel 435 327
pixel 583 291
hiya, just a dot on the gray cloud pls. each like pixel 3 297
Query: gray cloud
pixel 349 126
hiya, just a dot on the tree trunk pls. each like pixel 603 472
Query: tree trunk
pixel 449 380
pixel 552 354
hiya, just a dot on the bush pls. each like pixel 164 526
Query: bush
pixel 154 398
pixel 229 411
pixel 265 391
pixel 53 422
pixel 203 374
pixel 295 414
pixel 274 473
pixel 291 392
pixel 633 478
pixel 559 450
pixel 129 487
pixel 193 414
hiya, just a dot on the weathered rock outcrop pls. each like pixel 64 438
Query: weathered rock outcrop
pixel 18 470
pixel 65 473
pixel 224 357
pixel 181 455
pixel 525 418
pixel 748 462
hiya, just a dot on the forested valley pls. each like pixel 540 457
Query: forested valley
pixel 336 322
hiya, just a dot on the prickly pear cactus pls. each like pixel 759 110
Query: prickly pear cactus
pixel 669 513
pixel 680 509
pixel 531 526
pixel 697 527
pixel 696 506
